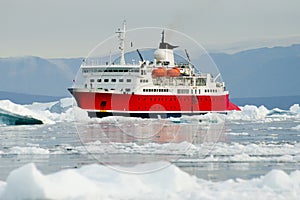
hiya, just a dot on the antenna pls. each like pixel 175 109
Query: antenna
pixel 163 36
pixel 122 42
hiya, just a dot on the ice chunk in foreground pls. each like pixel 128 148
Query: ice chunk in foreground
pixel 97 182
pixel 14 114
pixel 100 182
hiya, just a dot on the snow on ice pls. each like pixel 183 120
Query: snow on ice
pixel 13 114
pixel 100 182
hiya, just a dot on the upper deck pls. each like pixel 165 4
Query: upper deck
pixel 162 75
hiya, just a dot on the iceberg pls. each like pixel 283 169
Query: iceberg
pixel 14 114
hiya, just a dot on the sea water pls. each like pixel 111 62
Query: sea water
pixel 255 151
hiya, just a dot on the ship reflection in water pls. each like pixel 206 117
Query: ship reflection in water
pixel 125 142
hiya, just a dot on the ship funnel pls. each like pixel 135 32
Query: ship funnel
pixel 163 44
pixel 164 54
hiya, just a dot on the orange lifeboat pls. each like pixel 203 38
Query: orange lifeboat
pixel 159 72
pixel 174 72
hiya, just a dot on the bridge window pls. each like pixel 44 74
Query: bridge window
pixel 128 80
pixel 99 80
pixel 113 80
pixel 121 80
pixel 106 80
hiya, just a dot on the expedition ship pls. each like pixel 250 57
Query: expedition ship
pixel 158 88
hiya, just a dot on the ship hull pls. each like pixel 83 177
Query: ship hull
pixel 104 104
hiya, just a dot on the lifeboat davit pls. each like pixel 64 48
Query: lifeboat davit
pixel 159 72
pixel 174 72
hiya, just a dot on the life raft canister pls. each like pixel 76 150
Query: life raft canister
pixel 159 72
pixel 174 72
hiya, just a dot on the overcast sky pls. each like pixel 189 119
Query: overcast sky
pixel 71 28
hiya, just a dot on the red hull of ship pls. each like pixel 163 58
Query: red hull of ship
pixel 136 103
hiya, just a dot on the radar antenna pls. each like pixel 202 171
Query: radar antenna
pixel 122 42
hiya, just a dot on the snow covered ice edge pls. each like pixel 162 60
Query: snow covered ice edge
pixel 64 110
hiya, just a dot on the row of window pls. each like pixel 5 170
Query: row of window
pixel 155 90
pixel 106 89
pixel 113 80
pixel 186 91
pixel 180 91
pixel 183 91
pixel 179 99
pixel 144 81
pixel 109 70
pixel 211 90
pixel 158 99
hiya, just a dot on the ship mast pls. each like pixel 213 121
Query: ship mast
pixel 122 42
